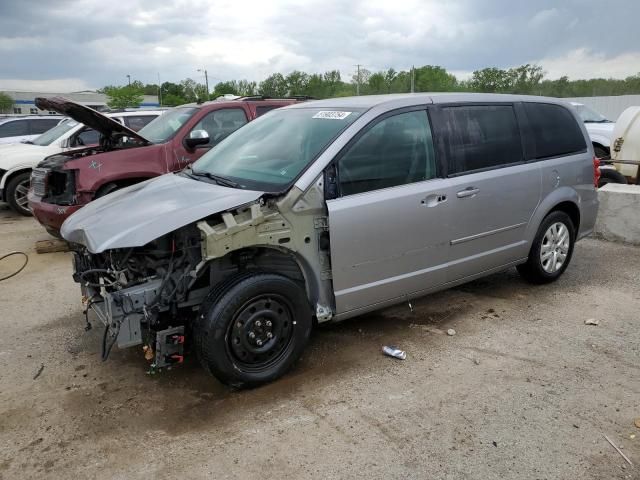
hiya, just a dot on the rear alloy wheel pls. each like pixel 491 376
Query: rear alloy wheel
pixel 254 329
pixel 17 190
pixel 551 250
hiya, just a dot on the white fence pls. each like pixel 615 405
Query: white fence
pixel 610 107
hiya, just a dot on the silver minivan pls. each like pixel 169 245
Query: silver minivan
pixel 326 210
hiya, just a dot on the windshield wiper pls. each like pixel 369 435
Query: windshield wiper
pixel 219 179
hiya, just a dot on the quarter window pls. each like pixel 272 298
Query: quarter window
pixel 262 109
pixel 480 137
pixel 219 124
pixel 554 130
pixel 396 151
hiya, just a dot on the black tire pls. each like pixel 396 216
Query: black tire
pixel 272 308
pixel 609 175
pixel 601 152
pixel 534 270
pixel 106 189
pixel 16 194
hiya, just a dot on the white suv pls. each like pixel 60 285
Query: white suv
pixel 17 160
pixel 24 128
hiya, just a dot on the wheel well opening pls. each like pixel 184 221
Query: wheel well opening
pixel 259 259
pixel 570 209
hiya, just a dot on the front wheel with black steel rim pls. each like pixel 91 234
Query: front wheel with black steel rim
pixel 551 250
pixel 253 330
pixel 17 190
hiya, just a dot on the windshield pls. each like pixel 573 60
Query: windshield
pixel 165 126
pixel 590 116
pixel 51 135
pixel 270 152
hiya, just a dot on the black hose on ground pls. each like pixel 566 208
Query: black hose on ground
pixel 26 260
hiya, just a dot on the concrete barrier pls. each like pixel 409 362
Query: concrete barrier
pixel 619 214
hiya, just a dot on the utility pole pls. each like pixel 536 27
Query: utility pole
pixel 129 78
pixel 358 79
pixel 413 79
pixel 159 90
pixel 206 80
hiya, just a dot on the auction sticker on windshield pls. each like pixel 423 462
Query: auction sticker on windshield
pixel 331 115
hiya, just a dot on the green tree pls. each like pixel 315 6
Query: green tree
pixel 123 97
pixel 389 77
pixel 245 88
pixel 490 80
pixel 6 103
pixel 376 84
pixel 525 79
pixel 297 83
pixel 274 86
pixel 431 78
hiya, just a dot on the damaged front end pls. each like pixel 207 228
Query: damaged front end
pixel 144 295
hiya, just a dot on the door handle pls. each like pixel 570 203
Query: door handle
pixel 467 192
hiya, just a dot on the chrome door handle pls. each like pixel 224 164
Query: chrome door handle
pixel 467 192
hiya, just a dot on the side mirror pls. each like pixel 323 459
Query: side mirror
pixel 196 138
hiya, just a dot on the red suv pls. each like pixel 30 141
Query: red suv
pixel 61 184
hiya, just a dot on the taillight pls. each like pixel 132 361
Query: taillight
pixel 596 171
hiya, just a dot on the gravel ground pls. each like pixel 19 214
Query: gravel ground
pixel 524 390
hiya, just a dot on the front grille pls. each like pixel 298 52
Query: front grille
pixel 39 181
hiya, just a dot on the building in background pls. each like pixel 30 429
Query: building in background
pixel 24 102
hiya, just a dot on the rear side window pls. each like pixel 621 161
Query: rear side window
pixel 14 128
pixel 39 126
pixel 137 122
pixel 396 151
pixel 262 109
pixel 480 137
pixel 554 130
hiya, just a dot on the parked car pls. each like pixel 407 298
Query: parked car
pixel 64 183
pixel 329 210
pixel 17 160
pixel 600 130
pixel 25 128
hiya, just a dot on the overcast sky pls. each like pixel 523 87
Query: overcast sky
pixel 65 45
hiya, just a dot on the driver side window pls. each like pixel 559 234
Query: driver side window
pixel 398 150
pixel 219 124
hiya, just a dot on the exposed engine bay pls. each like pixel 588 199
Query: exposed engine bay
pixel 141 292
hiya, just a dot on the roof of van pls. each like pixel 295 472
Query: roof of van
pixel 404 99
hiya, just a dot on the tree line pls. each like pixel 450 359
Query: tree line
pixel 525 79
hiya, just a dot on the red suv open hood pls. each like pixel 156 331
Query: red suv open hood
pixel 91 118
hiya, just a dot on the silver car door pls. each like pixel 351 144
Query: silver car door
pixel 388 231
pixel 493 193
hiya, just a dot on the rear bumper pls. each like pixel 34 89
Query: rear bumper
pixel 588 215
pixel 49 215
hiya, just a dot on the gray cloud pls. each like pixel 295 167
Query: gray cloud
pixel 97 43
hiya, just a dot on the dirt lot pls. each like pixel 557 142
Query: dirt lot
pixel 524 390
